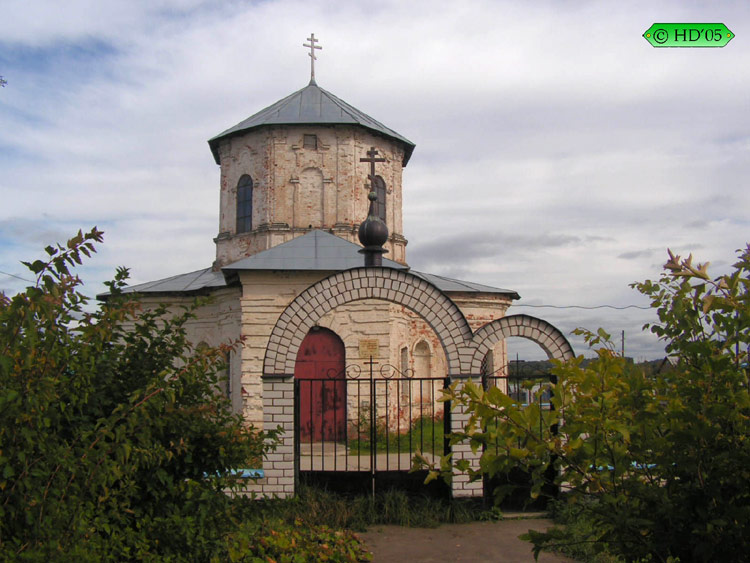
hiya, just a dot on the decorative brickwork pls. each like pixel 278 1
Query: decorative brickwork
pixel 461 486
pixel 385 284
pixel 278 410
pixel 551 340
pixel 464 351
pixel 299 187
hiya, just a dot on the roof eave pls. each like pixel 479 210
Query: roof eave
pixel 214 142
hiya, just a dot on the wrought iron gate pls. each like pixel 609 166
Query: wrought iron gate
pixel 388 417
pixel 526 387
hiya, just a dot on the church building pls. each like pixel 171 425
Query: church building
pixel 297 180
pixel 293 193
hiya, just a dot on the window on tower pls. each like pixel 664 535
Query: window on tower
pixel 380 192
pixel 245 204
pixel 310 142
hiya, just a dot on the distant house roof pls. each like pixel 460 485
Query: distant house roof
pixel 315 251
pixel 311 105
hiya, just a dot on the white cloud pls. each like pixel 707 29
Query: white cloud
pixel 549 133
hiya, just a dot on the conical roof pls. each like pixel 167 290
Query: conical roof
pixel 311 105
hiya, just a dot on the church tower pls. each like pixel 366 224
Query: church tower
pixel 295 167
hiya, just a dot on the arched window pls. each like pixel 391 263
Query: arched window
pixel 245 204
pixel 422 370
pixel 380 191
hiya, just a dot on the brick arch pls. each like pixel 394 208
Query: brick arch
pixel 396 286
pixel 549 338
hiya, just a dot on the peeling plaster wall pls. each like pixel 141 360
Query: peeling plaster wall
pixel 480 310
pixel 266 295
pixel 297 188
pixel 250 313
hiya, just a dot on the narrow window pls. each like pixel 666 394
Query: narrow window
pixel 380 191
pixel 423 370
pixel 245 204
pixel 310 142
pixel 405 373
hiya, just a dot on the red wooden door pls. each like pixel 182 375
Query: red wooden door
pixel 322 386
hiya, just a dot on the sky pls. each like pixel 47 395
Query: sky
pixel 557 153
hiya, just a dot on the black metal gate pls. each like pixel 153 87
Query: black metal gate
pixel 389 416
pixel 526 384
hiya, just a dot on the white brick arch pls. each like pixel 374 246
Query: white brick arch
pixel 549 338
pixel 396 286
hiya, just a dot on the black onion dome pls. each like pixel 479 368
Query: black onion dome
pixel 373 233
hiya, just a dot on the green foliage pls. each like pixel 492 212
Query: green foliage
pixel 260 541
pixel 659 464
pixel 314 506
pixel 113 442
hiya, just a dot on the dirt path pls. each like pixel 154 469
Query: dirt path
pixel 478 542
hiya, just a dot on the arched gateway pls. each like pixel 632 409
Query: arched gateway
pixel 464 350
pixel 278 183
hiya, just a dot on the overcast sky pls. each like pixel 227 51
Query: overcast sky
pixel 557 153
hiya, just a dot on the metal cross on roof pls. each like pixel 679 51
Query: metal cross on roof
pixel 371 154
pixel 312 46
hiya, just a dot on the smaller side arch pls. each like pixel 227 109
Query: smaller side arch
pixel 549 338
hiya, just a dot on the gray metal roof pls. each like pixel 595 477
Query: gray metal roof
pixel 192 281
pixel 311 105
pixel 449 285
pixel 316 250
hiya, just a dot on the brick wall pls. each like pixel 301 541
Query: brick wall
pixel 461 487
pixel 278 467
pixel 295 188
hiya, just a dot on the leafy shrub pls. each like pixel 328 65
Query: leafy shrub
pixel 659 464
pixel 113 442
pixel 257 541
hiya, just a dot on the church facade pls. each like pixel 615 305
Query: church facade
pixel 289 276
pixel 293 193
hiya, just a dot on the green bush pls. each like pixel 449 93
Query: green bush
pixel 113 442
pixel 260 541
pixel 315 506
pixel 659 464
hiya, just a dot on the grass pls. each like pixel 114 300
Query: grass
pixel 321 507
pixel 425 434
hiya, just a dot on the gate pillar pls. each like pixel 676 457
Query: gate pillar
pixel 461 486
pixel 278 466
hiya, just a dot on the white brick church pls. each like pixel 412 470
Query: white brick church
pixel 293 193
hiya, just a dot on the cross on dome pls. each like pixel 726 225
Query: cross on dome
pixel 371 154
pixel 312 46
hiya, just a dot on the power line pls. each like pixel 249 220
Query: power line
pixel 584 307
pixel 591 308
pixel 15 276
